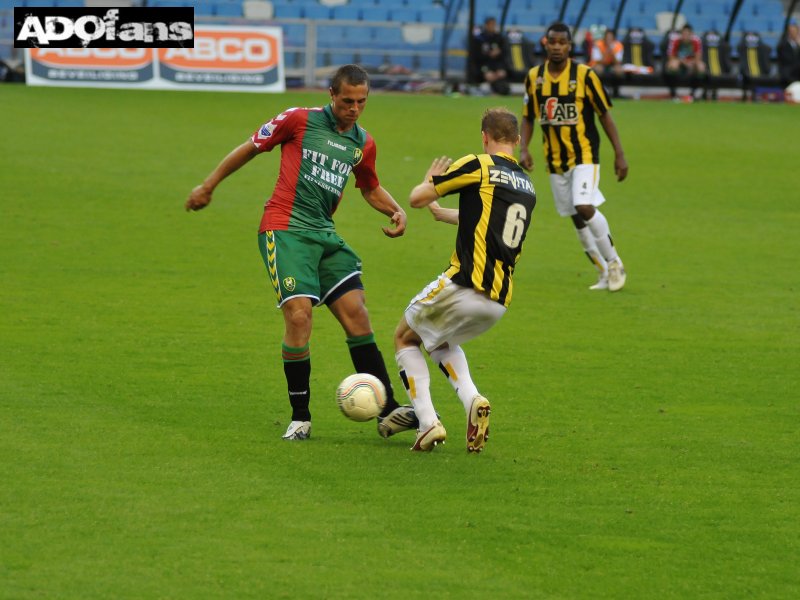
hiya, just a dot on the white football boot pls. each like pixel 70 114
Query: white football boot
pixel 478 424
pixel 298 430
pixel 400 419
pixel 427 440
pixel 602 282
pixel 616 275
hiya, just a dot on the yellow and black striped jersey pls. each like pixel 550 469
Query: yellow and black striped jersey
pixel 496 201
pixel 565 107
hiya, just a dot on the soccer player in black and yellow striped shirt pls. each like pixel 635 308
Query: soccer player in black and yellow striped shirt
pixel 564 96
pixel 496 201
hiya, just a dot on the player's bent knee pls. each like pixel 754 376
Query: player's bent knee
pixel 404 336
pixel 585 211
pixel 297 319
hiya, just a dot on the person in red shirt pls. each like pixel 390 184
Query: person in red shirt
pixel 685 53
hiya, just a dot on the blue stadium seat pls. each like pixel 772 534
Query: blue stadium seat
pixel 295 34
pixel 170 3
pixel 342 58
pixel 704 23
pixel 403 60
pixel 389 38
pixel 403 15
pixel 773 9
pixel 224 9
pixel 389 4
pixel 456 41
pixel 288 11
pixel 71 3
pixel 432 15
pixel 317 12
pixel 456 63
pixel 539 20
pixel 429 62
pixel 595 17
pixel 332 36
pixel 374 13
pixel 369 56
pixel 346 12
pixel 293 59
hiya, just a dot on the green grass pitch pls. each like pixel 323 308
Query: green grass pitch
pixel 644 444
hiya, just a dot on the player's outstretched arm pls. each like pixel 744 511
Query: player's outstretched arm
pixel 382 201
pixel 200 197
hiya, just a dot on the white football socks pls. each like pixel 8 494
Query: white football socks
pixel 590 247
pixel 454 362
pixel 602 236
pixel 417 381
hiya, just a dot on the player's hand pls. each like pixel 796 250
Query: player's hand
pixel 525 159
pixel 621 167
pixel 199 198
pixel 399 224
pixel 438 166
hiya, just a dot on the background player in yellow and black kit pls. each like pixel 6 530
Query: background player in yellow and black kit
pixel 563 96
pixel 496 201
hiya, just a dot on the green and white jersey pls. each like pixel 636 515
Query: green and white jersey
pixel 316 163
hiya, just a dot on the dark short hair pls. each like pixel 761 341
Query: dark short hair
pixel 559 27
pixel 500 124
pixel 349 74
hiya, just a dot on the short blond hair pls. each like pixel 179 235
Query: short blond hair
pixel 500 124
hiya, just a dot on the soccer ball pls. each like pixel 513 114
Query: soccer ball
pixel 792 94
pixel 361 397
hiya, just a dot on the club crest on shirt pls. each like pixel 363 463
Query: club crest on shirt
pixel 572 85
pixel 357 156
pixel 289 283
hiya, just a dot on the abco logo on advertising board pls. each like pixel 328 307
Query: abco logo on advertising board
pixel 73 27
pixel 225 56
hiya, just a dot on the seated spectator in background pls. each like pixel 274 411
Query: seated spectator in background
pixel 789 55
pixel 490 55
pixel 685 54
pixel 606 54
